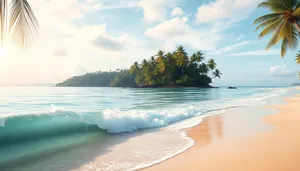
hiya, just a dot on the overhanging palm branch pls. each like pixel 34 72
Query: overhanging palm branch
pixel 283 22
pixel 3 18
pixel 298 58
pixel 22 23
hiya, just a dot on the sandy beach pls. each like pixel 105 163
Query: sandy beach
pixel 275 149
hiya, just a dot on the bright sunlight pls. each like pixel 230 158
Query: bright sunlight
pixel 2 51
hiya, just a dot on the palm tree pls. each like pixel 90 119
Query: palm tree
pixel 298 61
pixel 211 64
pixel 161 61
pixel 134 68
pixel 169 57
pixel 197 57
pixel 298 58
pixel 181 58
pixel 19 20
pixel 283 22
pixel 203 69
pixel 144 63
pixel 152 59
pixel 193 58
pixel 217 73
pixel 200 56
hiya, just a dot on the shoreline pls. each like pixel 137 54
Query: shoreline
pixel 148 87
pixel 253 152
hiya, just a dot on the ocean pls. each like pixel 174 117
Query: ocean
pixel 53 128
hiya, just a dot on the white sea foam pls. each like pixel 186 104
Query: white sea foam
pixel 2 122
pixel 54 108
pixel 116 121
pixel 190 143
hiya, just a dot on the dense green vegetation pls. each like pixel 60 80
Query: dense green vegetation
pixel 97 79
pixel 296 84
pixel 162 70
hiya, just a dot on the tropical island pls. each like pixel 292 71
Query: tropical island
pixel 296 84
pixel 172 69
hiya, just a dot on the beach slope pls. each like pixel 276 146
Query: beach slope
pixel 274 150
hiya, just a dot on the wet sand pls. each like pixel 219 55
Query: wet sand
pixel 273 146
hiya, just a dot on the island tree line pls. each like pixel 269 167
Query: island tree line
pixel 170 69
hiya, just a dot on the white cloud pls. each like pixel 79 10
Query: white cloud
pixel 240 37
pixel 106 42
pixel 116 4
pixel 231 47
pixel 58 13
pixel 256 53
pixel 281 71
pixel 177 12
pixel 156 10
pixel 177 31
pixel 225 10
pixel 169 29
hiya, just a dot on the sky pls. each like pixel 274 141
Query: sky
pixel 79 36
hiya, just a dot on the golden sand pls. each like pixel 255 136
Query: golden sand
pixel 274 150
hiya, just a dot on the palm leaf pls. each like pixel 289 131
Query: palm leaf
pixel 267 23
pixel 290 33
pixel 298 58
pixel 267 17
pixel 284 3
pixel 271 27
pixel 3 18
pixel 284 46
pixel 277 35
pixel 275 6
pixel 23 23
pixel 297 4
pixel 296 12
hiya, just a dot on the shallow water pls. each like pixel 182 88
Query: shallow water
pixel 50 128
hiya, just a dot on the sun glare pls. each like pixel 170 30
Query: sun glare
pixel 2 51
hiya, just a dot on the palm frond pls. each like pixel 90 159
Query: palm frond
pixel 297 4
pixel 266 23
pixel 287 4
pixel 294 3
pixel 291 34
pixel 3 19
pixel 284 46
pixel 23 23
pixel 276 36
pixel 267 17
pixel 288 34
pixel 271 27
pixel 296 13
pixel 298 58
pixel 275 6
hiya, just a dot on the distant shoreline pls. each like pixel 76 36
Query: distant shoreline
pixel 160 86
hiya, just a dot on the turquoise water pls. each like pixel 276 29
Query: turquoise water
pixel 38 123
